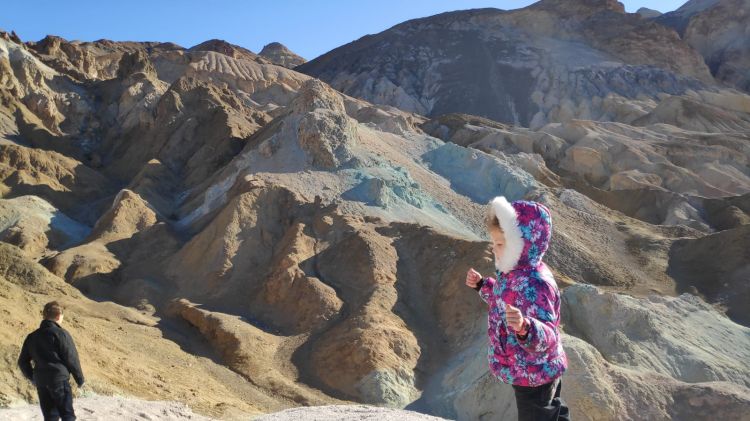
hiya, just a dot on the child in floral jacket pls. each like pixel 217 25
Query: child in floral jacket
pixel 524 309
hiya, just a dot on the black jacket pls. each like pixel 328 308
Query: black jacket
pixel 54 354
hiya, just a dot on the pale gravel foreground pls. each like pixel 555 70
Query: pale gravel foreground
pixel 101 408
pixel 346 412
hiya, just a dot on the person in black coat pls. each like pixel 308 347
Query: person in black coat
pixel 55 358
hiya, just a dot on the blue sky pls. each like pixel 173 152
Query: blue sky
pixel 309 28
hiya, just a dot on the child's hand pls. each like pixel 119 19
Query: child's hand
pixel 513 317
pixel 472 278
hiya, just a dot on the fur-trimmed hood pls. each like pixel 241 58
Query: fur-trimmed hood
pixel 528 229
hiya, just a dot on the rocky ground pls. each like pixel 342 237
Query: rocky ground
pixel 112 408
pixel 109 408
pixel 240 237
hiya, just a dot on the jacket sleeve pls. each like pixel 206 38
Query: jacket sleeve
pixel 485 288
pixel 543 316
pixel 24 361
pixel 69 356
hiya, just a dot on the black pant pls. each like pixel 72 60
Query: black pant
pixel 56 401
pixel 541 403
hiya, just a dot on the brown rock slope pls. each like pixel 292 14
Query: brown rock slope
pixel 123 351
pixel 716 266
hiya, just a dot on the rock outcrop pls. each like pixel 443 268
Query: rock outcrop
pixel 653 335
pixel 227 49
pixel 92 266
pixel 325 132
pixel 278 54
pixel 716 29
pixel 716 267
pixel 128 215
pixel 680 18
pixel 256 355
pixel 37 227
pixel 62 181
pixel 720 34
pixel 729 212
pixel 647 13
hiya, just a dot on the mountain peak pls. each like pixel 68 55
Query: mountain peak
pixel 226 48
pixel 580 7
pixel 10 36
pixel 272 46
pixel 277 53
pixel 695 6
pixel 648 13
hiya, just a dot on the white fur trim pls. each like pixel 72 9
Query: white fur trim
pixel 506 214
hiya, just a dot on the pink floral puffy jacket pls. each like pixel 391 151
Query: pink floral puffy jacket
pixel 525 282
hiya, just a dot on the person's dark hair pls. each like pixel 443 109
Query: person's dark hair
pixel 52 310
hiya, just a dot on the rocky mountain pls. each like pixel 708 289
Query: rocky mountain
pixel 680 18
pixel 243 238
pixel 720 34
pixel 717 30
pixel 552 61
pixel 278 54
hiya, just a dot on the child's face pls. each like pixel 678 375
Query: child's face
pixel 498 242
